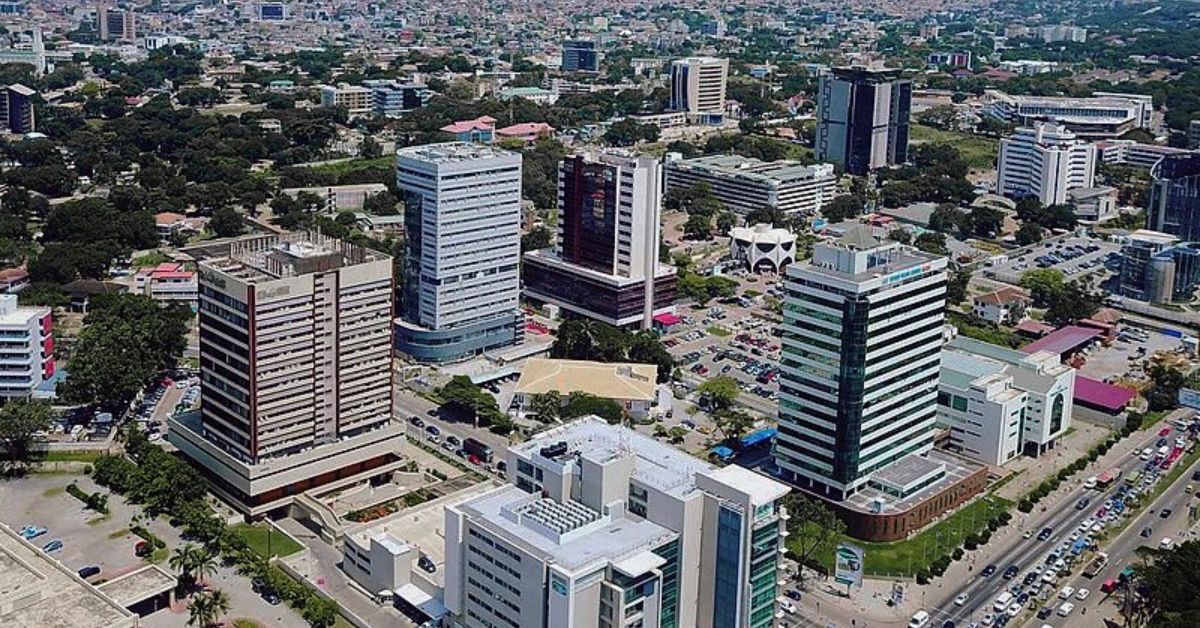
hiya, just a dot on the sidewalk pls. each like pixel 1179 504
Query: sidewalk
pixel 1032 471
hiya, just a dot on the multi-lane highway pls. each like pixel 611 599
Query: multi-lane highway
pixel 1056 512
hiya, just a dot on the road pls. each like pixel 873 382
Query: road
pixel 1122 553
pixel 407 405
pixel 1059 514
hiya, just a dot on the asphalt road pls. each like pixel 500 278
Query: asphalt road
pixel 1061 516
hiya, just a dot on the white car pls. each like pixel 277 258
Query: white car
pixel 1082 594
pixel 1066 593
pixel 961 599
pixel 1065 609
pixel 1014 609
pixel 988 619
pixel 1087 524
pixel 1167 543
pixel 787 607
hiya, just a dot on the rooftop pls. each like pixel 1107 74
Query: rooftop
pixel 1097 394
pixel 257 259
pixel 761 489
pixel 482 123
pixel 657 464
pixel 452 152
pixel 517 517
pixel 1063 340
pixel 608 380
pixel 773 172
pixel 138 585
pixel 1007 294
pixel 37 591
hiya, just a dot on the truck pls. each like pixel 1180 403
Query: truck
pixel 1105 480
pixel 1098 563
pixel 478 449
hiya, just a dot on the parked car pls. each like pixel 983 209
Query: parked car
pixel 89 571
pixel 53 546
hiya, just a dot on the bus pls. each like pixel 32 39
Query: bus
pixel 475 448
pixel 1133 478
pixel 1108 477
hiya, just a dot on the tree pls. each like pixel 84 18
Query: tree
pixel 932 242
pixel 184 560
pixel 645 347
pixel 956 288
pixel 1029 233
pixel 721 392
pixel 1167 579
pixel 900 235
pixel 733 423
pixel 812 527
pixel 843 207
pixel 128 339
pixel 381 204
pixel 207 607
pixel 948 218
pixel 1043 285
pixel 1071 304
pixel 767 215
pixel 20 422
pixel 226 222
pixel 584 404
pixel 1165 382
pixel 319 612
pixel 460 395
pixel 370 148
pixel 698 226
pixel 538 238
pixel 725 221
pixel 985 222
pixel 546 406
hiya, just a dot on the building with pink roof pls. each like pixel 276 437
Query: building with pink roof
pixel 169 282
pixel 528 132
pixel 481 130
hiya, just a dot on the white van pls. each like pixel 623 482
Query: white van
pixel 1002 602
pixel 1090 483
pixel 919 620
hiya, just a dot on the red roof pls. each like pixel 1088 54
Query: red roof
pixel 1063 341
pixel 666 318
pixel 1097 394
pixel 526 128
pixel 482 123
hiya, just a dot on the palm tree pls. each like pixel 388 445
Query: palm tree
pixel 207 607
pixel 204 564
pixel 183 560
pixel 218 602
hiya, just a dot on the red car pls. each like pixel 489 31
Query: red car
pixel 1166 431
pixel 143 549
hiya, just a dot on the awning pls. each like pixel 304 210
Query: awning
pixel 668 319
pixel 422 601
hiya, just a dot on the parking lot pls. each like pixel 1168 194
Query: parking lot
pixel 1123 359
pixel 1073 256
pixel 88 538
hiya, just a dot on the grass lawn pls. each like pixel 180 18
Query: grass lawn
pixel 353 165
pixel 256 537
pixel 72 456
pixel 151 259
pixel 980 152
pixel 718 331
pixel 909 556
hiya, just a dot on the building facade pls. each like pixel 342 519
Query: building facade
pixel 1045 161
pixel 763 247
pixel 858 374
pixel 358 100
pixel 1103 115
pixel 393 98
pixel 116 24
pixel 633 386
pixel 295 365
pixel 746 184
pixel 698 88
pixel 26 347
pixel 579 55
pixel 1158 268
pixel 602 526
pixel 1175 197
pixel 1000 403
pixel 463 221
pixel 16 109
pixel 863 118
pixel 167 283
pixel 604 264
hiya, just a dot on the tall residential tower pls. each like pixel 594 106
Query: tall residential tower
pixel 698 88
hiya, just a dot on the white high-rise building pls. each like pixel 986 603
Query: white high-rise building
pixel 862 336
pixel 605 263
pixel 27 353
pixel 698 87
pixel 1045 161
pixel 603 526
pixel 462 205
pixel 296 368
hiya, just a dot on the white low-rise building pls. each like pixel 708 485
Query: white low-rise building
pixel 630 385
pixel 763 247
pixel 999 403
pixel 746 184
pixel 1006 306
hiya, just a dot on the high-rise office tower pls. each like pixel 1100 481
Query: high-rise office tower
pixel 580 55
pixel 605 262
pixel 16 109
pixel 1045 161
pixel 295 364
pixel 116 24
pixel 462 214
pixel 698 88
pixel 862 118
pixel 862 337
pixel 603 526
pixel 1174 206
